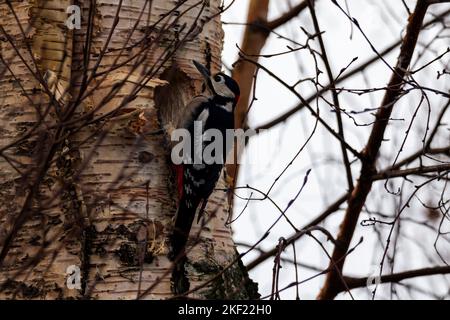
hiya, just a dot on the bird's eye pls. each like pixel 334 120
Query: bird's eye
pixel 218 78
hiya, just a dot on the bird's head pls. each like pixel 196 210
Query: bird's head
pixel 219 84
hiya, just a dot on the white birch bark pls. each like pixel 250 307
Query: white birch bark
pixel 106 201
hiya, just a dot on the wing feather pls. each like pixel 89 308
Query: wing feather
pixel 192 111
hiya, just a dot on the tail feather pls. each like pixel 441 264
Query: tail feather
pixel 183 223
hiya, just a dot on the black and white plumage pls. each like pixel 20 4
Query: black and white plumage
pixel 195 182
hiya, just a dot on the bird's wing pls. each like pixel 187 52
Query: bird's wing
pixel 193 110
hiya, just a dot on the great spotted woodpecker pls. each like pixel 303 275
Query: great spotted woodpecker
pixel 214 109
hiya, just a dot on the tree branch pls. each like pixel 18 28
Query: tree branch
pixel 334 94
pixel 345 76
pixel 330 210
pixel 406 172
pixel 295 11
pixel 353 283
pixel 333 284
pixel 255 35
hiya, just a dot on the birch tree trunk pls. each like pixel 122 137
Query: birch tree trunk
pixel 86 189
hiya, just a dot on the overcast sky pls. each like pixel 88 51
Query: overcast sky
pixel 383 23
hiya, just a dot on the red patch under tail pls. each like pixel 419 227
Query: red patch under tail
pixel 179 172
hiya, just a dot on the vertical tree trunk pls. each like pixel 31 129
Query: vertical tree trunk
pixel 90 188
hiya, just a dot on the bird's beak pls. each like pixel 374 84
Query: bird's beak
pixel 202 69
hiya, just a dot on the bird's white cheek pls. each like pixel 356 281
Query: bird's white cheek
pixel 222 90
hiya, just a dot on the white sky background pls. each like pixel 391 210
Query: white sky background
pixel 383 23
